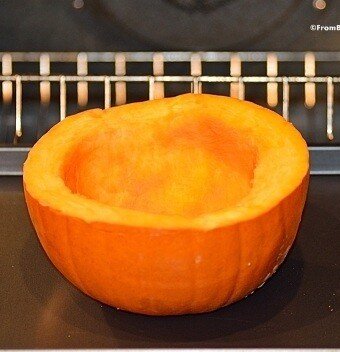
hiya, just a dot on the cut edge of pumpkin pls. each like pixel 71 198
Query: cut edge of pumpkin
pixel 282 165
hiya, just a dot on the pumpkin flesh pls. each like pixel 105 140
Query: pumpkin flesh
pixel 187 168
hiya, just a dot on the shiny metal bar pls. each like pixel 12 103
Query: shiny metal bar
pixel 195 65
pixel 196 71
pixel 211 79
pixel 196 87
pixel 18 108
pixel 45 86
pixel 235 65
pixel 285 98
pixel 330 108
pixel 241 89
pixel 62 98
pixel 107 92
pixel 120 86
pixel 310 93
pixel 158 70
pixel 7 86
pixel 236 88
pixel 272 88
pixel 151 88
pixel 82 87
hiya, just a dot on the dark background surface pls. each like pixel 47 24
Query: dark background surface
pixel 131 25
pixel 297 307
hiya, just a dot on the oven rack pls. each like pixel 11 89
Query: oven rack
pixel 324 159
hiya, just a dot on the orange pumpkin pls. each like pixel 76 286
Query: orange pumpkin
pixel 172 206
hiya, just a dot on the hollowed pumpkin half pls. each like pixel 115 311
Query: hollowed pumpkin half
pixel 173 206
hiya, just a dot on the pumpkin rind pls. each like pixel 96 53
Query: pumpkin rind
pixel 169 264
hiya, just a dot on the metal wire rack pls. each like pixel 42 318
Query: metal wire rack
pixel 325 159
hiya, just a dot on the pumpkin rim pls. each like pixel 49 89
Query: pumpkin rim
pixel 47 156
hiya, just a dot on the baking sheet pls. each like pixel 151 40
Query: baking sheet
pixel 297 307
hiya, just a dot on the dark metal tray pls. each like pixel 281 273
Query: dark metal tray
pixel 295 308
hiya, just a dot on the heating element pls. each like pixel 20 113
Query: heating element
pixel 273 75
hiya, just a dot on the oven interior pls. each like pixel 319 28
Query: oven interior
pixel 39 89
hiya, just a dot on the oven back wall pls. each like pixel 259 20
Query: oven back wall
pixel 113 25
